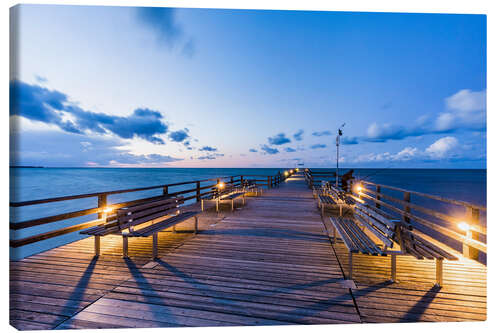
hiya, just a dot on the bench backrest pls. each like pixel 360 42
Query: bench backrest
pixel 135 215
pixel 378 222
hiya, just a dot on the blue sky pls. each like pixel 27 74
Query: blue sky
pixel 125 86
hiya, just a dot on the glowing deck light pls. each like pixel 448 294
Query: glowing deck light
pixel 220 185
pixel 108 210
pixel 358 188
pixel 297 169
pixel 285 173
pixel 464 226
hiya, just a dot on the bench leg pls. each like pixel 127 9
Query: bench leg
pixel 155 245
pixel 195 225
pixel 125 247
pixel 243 200
pixel 232 204
pixel 340 210
pixel 334 235
pixel 217 206
pixel 322 210
pixel 350 266
pixel 97 245
pixel 393 267
pixel 439 272
pixel 201 204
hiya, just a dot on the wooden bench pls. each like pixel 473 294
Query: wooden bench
pixel 388 231
pixel 250 185
pixel 317 190
pixel 228 193
pixel 143 220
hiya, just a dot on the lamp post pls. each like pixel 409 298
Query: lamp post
pixel 338 144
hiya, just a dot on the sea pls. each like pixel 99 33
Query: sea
pixel 40 183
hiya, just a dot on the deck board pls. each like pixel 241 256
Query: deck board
pixel 270 262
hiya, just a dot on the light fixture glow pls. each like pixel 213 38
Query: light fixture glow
pixel 220 185
pixel 464 226
pixel 286 173
pixel 358 188
pixel 108 210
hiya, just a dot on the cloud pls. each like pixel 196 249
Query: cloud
pixel 162 22
pixel 41 79
pixel 318 146
pixel 53 107
pixel 179 136
pixel 465 111
pixel 252 150
pixel 278 139
pixel 298 135
pixel 322 133
pixel 207 148
pixel 346 140
pixel 467 101
pixel 442 147
pixel 210 156
pixel 75 150
pixel 290 150
pixel 269 150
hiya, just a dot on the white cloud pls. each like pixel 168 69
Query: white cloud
pixel 466 109
pixel 406 154
pixel 442 147
pixel 467 101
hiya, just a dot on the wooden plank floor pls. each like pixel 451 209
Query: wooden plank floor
pixel 269 263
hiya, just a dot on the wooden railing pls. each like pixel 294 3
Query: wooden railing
pixel 463 225
pixel 316 177
pixel 198 189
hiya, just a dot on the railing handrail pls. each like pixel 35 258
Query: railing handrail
pixel 95 194
pixel 429 196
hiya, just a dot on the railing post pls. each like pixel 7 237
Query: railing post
pixel 378 196
pixel 268 181
pixel 232 180
pixel 407 208
pixel 165 190
pixel 473 219
pixel 198 191
pixel 241 181
pixel 102 201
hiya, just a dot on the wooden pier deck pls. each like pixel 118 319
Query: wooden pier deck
pixel 270 263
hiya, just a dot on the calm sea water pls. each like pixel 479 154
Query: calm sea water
pixel 39 183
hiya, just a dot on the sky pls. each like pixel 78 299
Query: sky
pixel 95 86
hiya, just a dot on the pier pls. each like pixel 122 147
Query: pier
pixel 270 262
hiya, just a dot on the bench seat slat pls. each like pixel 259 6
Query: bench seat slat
pixel 369 246
pixel 326 199
pixel 381 228
pixel 232 196
pixel 353 236
pixel 383 237
pixel 373 213
pixel 130 214
pixel 161 225
pixel 343 234
pixel 435 248
pixel 152 203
